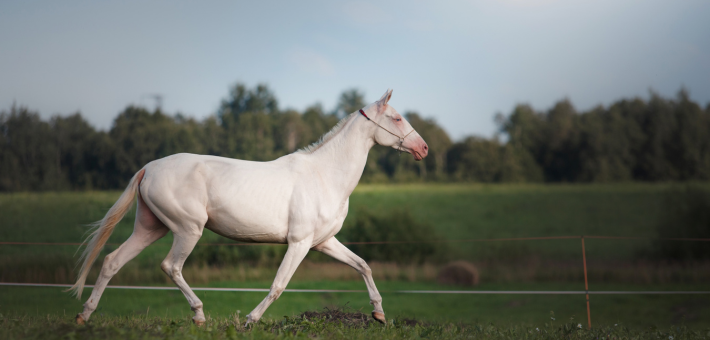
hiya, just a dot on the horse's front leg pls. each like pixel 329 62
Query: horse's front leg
pixel 294 255
pixel 333 248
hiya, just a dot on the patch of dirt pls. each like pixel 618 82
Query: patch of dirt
pixel 345 315
pixel 353 318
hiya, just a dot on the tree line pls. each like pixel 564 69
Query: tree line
pixel 658 139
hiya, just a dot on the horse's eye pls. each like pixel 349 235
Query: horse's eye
pixel 398 119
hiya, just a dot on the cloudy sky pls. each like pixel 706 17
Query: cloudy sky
pixel 457 61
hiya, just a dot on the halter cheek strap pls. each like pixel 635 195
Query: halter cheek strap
pixel 401 138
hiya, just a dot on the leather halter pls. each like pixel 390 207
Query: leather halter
pixel 401 138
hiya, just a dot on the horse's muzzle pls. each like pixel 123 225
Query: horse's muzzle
pixel 420 151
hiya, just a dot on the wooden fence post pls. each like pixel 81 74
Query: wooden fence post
pixel 586 284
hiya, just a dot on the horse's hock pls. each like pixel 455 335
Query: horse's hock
pixel 459 273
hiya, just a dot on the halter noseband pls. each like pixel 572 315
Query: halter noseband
pixel 401 138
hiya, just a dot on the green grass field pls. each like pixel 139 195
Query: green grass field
pixel 151 327
pixel 456 211
pixel 637 311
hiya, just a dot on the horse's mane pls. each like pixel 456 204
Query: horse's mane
pixel 327 136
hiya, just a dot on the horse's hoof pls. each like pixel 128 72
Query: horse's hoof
pixel 379 317
pixel 198 323
pixel 80 320
pixel 251 321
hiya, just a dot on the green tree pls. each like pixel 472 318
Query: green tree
pixel 141 137
pixel 242 99
pixel 350 101
pixel 483 160
pixel 28 154
pixel 434 166
pixel 247 116
pixel 212 137
pixel 317 122
pixel 475 159
pixel 658 139
pixel 290 132
pixel 691 142
pixel 83 154
pixel 659 124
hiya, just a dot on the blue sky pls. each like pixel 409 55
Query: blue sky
pixel 457 61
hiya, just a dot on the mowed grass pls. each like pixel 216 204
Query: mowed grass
pixel 634 311
pixel 460 212
pixel 145 327
pixel 457 212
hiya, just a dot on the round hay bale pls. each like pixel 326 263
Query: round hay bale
pixel 459 273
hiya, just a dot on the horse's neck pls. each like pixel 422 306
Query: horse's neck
pixel 342 159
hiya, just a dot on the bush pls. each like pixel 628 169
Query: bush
pixel 225 255
pixel 459 273
pixel 686 214
pixel 398 226
pixel 416 241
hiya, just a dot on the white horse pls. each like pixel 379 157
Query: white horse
pixel 299 199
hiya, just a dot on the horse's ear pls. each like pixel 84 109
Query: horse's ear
pixel 385 98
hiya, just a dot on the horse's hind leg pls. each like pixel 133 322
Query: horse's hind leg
pixel 183 243
pixel 146 230
pixel 186 219
pixel 172 265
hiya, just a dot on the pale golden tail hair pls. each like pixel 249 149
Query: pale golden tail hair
pixel 102 230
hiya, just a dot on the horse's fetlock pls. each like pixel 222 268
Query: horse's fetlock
pixel 89 306
pixel 252 318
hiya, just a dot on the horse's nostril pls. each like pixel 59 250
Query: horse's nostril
pixel 426 147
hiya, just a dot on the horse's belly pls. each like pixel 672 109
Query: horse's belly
pixel 250 205
pixel 266 229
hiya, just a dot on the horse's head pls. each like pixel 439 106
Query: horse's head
pixel 393 130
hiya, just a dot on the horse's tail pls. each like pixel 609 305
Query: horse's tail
pixel 103 229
